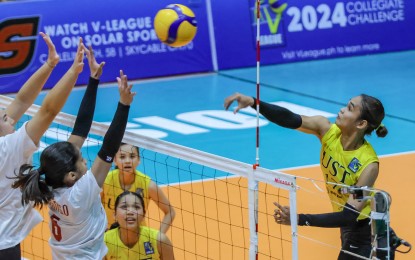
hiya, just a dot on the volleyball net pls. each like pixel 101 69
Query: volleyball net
pixel 213 198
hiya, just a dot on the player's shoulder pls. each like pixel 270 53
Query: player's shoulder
pixel 142 175
pixel 111 176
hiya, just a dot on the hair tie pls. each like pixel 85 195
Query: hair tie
pixel 381 125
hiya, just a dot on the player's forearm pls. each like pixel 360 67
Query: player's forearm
pixel 29 92
pixel 86 110
pixel 165 224
pixel 56 98
pixel 279 115
pixel 343 218
pixel 32 87
pixel 167 221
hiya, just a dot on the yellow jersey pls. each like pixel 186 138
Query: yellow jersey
pixel 343 167
pixel 112 188
pixel 146 247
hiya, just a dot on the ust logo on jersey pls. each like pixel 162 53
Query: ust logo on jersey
pixel 354 165
pixel 17 43
pixel 148 248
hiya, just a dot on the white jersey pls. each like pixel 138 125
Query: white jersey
pixel 16 220
pixel 78 221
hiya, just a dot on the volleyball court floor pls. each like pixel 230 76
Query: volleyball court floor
pixel 189 111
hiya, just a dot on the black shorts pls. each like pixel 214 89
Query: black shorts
pixel 357 240
pixel 12 253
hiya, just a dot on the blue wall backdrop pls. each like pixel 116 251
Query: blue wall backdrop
pixel 122 34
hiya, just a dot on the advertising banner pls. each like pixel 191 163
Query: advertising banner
pixel 123 35
pixel 120 32
pixel 296 30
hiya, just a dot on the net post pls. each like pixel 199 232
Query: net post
pixel 293 219
pixel 380 226
pixel 253 213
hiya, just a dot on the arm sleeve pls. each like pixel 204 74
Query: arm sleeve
pixel 86 110
pixel 279 115
pixel 115 133
pixel 343 218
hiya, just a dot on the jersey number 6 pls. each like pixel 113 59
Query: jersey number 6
pixel 56 229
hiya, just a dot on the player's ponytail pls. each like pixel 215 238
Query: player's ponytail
pixel 37 185
pixel 381 131
pixel 32 185
pixel 373 112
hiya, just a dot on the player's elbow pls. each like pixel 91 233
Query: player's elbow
pixel 170 212
pixel 49 111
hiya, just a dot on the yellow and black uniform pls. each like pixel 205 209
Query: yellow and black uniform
pixel 343 167
pixel 145 248
pixel 112 188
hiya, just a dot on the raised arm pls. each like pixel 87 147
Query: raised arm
pixel 86 110
pixel 316 125
pixel 32 87
pixel 56 98
pixel 115 133
pixel 158 196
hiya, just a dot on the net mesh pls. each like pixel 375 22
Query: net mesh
pixel 210 195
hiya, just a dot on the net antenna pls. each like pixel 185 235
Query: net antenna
pixel 252 183
pixel 252 178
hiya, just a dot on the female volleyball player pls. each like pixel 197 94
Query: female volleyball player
pixel 126 177
pixel 346 159
pixel 17 147
pixel 127 239
pixel 72 192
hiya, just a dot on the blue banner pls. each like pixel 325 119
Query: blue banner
pixel 296 30
pixel 121 34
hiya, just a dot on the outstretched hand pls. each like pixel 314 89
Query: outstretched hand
pixel 282 214
pixel 53 57
pixel 243 101
pixel 126 96
pixel 94 67
pixel 78 63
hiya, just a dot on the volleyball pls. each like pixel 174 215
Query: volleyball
pixel 175 25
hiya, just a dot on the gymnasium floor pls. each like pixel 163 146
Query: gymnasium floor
pixel 189 111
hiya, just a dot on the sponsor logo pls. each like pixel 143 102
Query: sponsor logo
pixel 271 22
pixel 354 165
pixel 17 43
pixel 283 182
pixel 148 248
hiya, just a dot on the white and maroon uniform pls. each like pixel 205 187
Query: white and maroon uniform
pixel 16 220
pixel 78 221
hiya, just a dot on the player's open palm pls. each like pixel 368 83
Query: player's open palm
pixel 94 66
pixel 126 96
pixel 53 57
pixel 78 63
